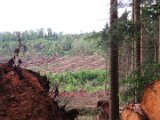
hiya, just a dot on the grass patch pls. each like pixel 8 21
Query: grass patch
pixel 89 80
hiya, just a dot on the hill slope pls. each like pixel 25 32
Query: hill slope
pixel 62 64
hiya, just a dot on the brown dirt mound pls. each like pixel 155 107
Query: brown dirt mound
pixel 23 96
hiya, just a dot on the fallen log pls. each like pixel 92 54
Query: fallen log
pixel 150 101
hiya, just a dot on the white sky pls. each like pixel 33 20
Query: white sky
pixel 68 16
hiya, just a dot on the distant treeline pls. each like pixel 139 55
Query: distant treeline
pixel 49 43
pixel 31 35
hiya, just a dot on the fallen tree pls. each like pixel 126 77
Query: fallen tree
pixel 132 112
pixel 151 101
pixel 149 108
pixel 24 96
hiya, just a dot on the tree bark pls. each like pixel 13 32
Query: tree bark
pixel 132 112
pixel 138 35
pixel 137 40
pixel 158 56
pixel 114 90
pixel 133 43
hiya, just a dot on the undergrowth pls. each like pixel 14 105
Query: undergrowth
pixel 88 80
pixel 135 83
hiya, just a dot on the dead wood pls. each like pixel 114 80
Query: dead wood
pixel 150 101
pixel 132 112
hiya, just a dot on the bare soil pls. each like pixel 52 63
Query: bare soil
pixel 81 99
pixel 61 64
pixel 24 96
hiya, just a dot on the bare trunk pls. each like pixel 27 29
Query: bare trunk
pixel 141 50
pixel 114 90
pixel 105 88
pixel 128 61
pixel 137 35
pixel 133 43
pixel 158 49
pixel 137 39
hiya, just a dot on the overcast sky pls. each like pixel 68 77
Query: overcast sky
pixel 67 16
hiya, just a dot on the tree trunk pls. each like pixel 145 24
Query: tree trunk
pixel 138 34
pixel 157 38
pixel 114 90
pixel 158 56
pixel 137 39
pixel 133 43
pixel 128 61
pixel 141 49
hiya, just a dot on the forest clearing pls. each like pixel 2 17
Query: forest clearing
pixel 24 92
pixel 73 99
pixel 95 73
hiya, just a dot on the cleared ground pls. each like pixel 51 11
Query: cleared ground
pixel 61 64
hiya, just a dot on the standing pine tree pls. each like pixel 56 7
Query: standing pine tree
pixel 114 90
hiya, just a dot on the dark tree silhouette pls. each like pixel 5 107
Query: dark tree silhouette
pixel 114 90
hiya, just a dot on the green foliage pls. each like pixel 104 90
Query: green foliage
pixel 134 83
pixel 153 11
pixel 89 80
pixel 101 39
pixel 83 47
pixel 6 48
pixel 122 29
pixel 38 43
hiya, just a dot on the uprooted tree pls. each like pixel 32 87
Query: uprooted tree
pixel 24 94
